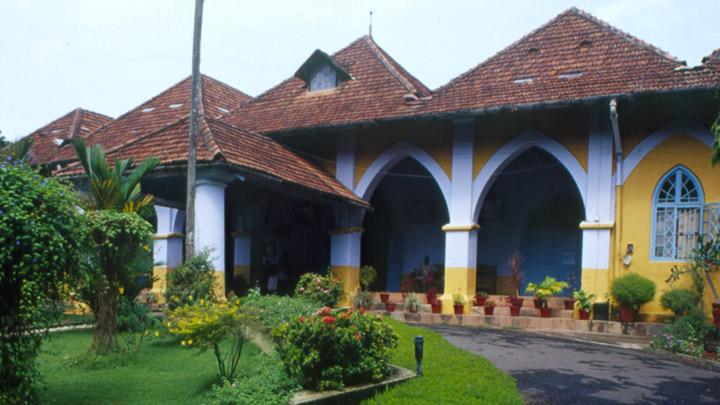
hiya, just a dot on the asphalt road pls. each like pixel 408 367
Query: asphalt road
pixel 552 370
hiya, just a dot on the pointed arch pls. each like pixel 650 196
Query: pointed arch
pixel 638 153
pixel 375 173
pixel 529 139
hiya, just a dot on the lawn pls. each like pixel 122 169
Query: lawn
pixel 164 373
pixel 450 375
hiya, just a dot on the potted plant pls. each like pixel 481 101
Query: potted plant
pixel 389 306
pixel 384 297
pixel 458 303
pixel 412 303
pixel 436 306
pixel 584 303
pixel 364 299
pixel 489 307
pixel 515 305
pixel 547 288
pixel 570 302
pixel 480 298
pixel 630 292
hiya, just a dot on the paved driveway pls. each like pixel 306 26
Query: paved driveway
pixel 553 370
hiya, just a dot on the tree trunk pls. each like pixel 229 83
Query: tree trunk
pixel 192 138
pixel 104 340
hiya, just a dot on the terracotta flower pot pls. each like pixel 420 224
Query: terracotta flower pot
pixel 545 312
pixel 514 311
pixel 436 307
pixel 489 310
pixel 627 314
pixel 384 297
pixel 390 306
pixel 538 303
pixel 459 309
pixel 584 315
pixel 515 301
pixel 569 303
pixel 430 298
pixel 480 300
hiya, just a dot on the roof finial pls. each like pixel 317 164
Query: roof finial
pixel 370 29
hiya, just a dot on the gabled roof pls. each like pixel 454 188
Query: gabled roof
pixel 573 56
pixel 380 88
pixel 317 59
pixel 221 142
pixel 217 98
pixel 49 140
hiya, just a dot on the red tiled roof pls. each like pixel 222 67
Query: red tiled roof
pixel 167 107
pixel 76 123
pixel 377 89
pixel 574 56
pixel 221 142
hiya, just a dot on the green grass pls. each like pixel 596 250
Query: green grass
pixel 450 375
pixel 161 373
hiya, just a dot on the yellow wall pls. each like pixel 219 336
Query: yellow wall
pixel 637 206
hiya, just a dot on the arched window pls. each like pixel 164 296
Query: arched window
pixel 677 214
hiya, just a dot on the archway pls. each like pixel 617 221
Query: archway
pixel 532 208
pixel 405 224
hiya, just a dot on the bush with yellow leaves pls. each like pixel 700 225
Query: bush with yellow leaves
pixel 223 326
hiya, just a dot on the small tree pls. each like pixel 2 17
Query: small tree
pixel 191 281
pixel 42 238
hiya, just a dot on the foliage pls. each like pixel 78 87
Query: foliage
pixel 632 290
pixel 262 381
pixel 680 301
pixel 704 260
pixel 17 151
pixel 205 324
pixel 489 304
pixel 584 300
pixel 412 303
pixel 368 274
pixel 326 290
pixel 686 334
pixel 715 157
pixel 275 310
pixel 458 299
pixel 482 294
pixel 330 350
pixel 192 281
pixel 42 239
pixel 364 299
pixel 135 321
pixel 450 374
pixel 547 288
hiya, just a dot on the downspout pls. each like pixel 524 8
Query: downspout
pixel 615 264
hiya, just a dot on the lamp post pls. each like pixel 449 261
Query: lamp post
pixel 419 341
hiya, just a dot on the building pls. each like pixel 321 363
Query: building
pixel 579 147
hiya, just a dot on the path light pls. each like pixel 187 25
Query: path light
pixel 419 354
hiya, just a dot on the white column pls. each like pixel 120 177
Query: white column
pixel 210 224
pixel 461 232
pixel 345 159
pixel 599 206
pixel 167 248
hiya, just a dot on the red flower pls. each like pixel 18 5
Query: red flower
pixel 358 336
pixel 362 311
pixel 301 318
pixel 328 320
pixel 325 311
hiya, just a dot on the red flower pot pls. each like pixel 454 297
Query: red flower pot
pixel 584 315
pixel 514 311
pixel 384 297
pixel 489 310
pixel 538 303
pixel 627 314
pixel 480 300
pixel 515 301
pixel 436 307
pixel 390 306
pixel 545 312
pixel 569 303
pixel 459 309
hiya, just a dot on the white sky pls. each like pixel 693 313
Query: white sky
pixel 109 56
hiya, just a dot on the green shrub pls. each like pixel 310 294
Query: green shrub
pixel 686 334
pixel 632 290
pixel 42 241
pixel 326 290
pixel 261 381
pixel 412 303
pixel 329 351
pixel 368 274
pixel 364 299
pixel 680 301
pixel 275 310
pixel 191 281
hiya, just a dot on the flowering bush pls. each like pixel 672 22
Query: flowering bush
pixel 330 350
pixel 686 334
pixel 275 310
pixel 191 281
pixel 206 324
pixel 325 290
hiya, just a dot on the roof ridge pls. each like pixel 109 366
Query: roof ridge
pixel 380 55
pixel 74 124
pixel 210 142
pixel 223 84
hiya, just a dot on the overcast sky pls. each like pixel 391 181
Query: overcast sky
pixel 109 56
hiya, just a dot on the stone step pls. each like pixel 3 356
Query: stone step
pixel 525 311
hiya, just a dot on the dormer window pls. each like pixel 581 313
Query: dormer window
pixel 323 78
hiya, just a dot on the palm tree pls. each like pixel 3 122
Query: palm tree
pixel 114 189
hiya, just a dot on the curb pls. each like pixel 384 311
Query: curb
pixel 685 359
